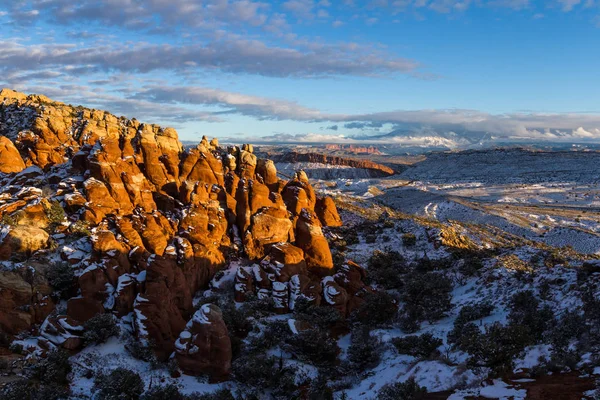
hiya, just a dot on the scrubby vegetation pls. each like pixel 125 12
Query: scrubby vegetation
pixel 386 269
pixel 100 328
pixel 426 297
pixel 408 390
pixel 423 346
pixel 61 277
pixel 119 384
pixel 47 379
pixel 364 351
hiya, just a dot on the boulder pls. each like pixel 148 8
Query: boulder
pixel 204 346
pixel 334 295
pixel 310 238
pixel 22 240
pixel 10 159
pixel 327 212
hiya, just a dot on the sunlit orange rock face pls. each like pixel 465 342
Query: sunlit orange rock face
pixel 146 224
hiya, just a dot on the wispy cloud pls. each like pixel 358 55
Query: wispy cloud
pixel 231 54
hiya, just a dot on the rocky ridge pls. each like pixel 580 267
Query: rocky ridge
pixel 144 224
pixel 376 170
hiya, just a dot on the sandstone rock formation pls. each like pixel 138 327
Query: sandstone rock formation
pixel 146 225
pixel 204 346
pixel 376 170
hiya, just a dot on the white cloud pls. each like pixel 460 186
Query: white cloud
pixel 229 54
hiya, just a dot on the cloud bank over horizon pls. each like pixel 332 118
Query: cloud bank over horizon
pixel 314 70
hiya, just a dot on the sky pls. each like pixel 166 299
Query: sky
pixel 317 70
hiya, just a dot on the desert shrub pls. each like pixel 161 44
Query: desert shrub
pixel 61 277
pixel 100 328
pixel 55 213
pixel 320 388
pixel 339 259
pixel 314 346
pixel 409 239
pixel 591 303
pixel 408 390
pixel 470 266
pixel 273 334
pixel 386 269
pixel 264 372
pixel 426 296
pixel 238 325
pixel 54 368
pixel 410 320
pixel 28 390
pixel 473 313
pixel 364 349
pixel 525 310
pixel 255 308
pixel 377 308
pixel 322 317
pixel 463 331
pixel 120 384
pixel 9 220
pixel 169 391
pixel 464 337
pixel 351 237
pixel 570 326
pixel 498 346
pixel 371 238
pixel 80 229
pixel 426 264
pixel 140 351
pixel 222 394
pixel 423 346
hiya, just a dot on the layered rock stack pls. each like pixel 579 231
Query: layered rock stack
pixel 284 277
pixel 148 223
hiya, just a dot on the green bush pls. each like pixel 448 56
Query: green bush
pixel 142 352
pixel 408 390
pixel 464 337
pixel 314 346
pixel 426 264
pixel 377 308
pixel 498 347
pixel 386 269
pixel 409 239
pixel 170 392
pixel 55 213
pixel 364 349
pixel 264 372
pixel 470 266
pixel 591 303
pixel 473 313
pixel 322 317
pixel 80 229
pixel 100 328
pixel 222 394
pixel 61 277
pixel 426 296
pixel 525 310
pixel 570 326
pixel 55 368
pixel 120 384
pixel 423 346
pixel 29 390
pixel 463 331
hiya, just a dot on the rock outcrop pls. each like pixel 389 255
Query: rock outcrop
pixel 376 170
pixel 204 346
pixel 144 224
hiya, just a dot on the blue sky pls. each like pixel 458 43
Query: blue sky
pixel 317 70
